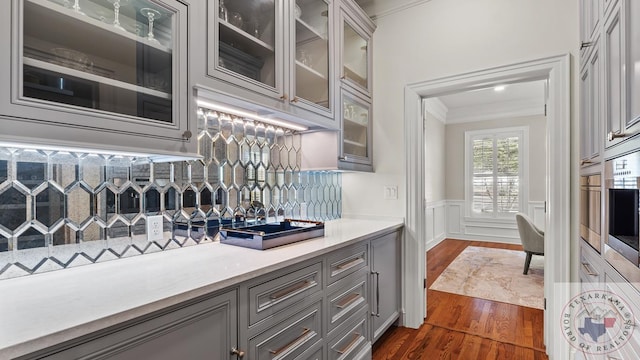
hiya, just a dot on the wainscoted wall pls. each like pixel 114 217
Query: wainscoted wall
pixel 62 209
pixel 446 219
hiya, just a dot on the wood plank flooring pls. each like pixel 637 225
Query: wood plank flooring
pixel 462 327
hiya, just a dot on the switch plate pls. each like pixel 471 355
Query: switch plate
pixel 154 228
pixel 391 192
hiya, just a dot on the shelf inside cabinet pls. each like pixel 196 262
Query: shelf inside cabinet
pixel 354 143
pixel 355 76
pixel 309 70
pixel 48 19
pixel 93 77
pixel 244 41
pixel 306 32
pixel 357 124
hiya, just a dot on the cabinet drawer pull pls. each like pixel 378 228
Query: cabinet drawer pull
pixel 377 313
pixel 350 264
pixel 238 353
pixel 283 97
pixel 584 162
pixel 347 348
pixel 348 301
pixel 294 342
pixel 585 44
pixel 588 269
pixel 295 99
pixel 612 136
pixel 292 289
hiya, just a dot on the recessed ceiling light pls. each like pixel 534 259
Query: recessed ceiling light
pixel 499 88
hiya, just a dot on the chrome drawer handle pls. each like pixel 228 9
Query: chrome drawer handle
pixel 347 348
pixel 588 269
pixel 611 135
pixel 377 313
pixel 292 289
pixel 350 264
pixel 291 344
pixel 348 301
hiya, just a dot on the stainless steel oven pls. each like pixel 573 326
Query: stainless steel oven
pixel 622 180
pixel 590 210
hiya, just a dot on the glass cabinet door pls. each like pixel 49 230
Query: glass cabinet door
pixel 247 43
pixel 356 129
pixel 312 46
pixel 355 56
pixel 110 56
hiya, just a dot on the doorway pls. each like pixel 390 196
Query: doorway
pixel 557 217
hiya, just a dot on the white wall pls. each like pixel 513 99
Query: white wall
pixel 537 152
pixel 434 181
pixel 442 38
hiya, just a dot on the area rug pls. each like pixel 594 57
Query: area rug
pixel 494 274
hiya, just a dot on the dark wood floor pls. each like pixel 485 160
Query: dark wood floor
pixel 462 327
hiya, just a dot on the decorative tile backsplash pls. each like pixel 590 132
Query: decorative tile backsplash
pixel 62 209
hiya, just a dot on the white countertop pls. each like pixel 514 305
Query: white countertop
pixel 38 311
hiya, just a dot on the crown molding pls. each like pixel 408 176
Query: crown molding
pixel 382 11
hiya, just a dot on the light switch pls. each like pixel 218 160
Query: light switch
pixel 391 192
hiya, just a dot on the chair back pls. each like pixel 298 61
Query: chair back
pixel 532 238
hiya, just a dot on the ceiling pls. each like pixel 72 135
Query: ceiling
pixel 518 99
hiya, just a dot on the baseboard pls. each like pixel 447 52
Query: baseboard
pixel 435 241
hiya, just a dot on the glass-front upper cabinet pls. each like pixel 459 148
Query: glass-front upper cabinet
pixel 356 56
pixel 312 47
pixel 249 43
pixel 117 65
pixel 356 129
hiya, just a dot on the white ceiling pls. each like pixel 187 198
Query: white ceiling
pixel 519 99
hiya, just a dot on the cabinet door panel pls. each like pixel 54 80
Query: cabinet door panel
pixel 385 282
pixel 585 124
pixel 245 44
pixel 595 95
pixel 614 75
pixel 312 54
pixel 632 11
pixel 205 330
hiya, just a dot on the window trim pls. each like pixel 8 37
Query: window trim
pixel 523 161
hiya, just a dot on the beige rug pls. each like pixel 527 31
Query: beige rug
pixel 494 274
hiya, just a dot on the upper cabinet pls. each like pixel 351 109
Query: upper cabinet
pixel 99 74
pixel 622 76
pixel 610 79
pixel 276 53
pixel 355 55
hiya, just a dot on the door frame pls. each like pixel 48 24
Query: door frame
pixel 558 166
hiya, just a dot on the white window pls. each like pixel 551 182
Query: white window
pixel 495 172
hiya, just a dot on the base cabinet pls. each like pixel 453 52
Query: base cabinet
pixel 385 287
pixel 206 329
pixel 332 306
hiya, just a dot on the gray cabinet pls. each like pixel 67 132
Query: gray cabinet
pixel 591 106
pixel 385 283
pixel 274 54
pixel 203 329
pixel 98 75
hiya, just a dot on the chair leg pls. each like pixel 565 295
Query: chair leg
pixel 527 262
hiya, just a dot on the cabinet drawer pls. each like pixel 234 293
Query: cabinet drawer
pixel 282 292
pixel 290 338
pixel 345 262
pixel 591 265
pixel 312 354
pixel 346 297
pixel 350 342
pixel 627 293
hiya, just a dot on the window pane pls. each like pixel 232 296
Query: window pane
pixel 483 156
pixel 508 194
pixel 507 160
pixel 483 195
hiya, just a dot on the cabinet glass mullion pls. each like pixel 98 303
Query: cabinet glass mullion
pixel 114 56
pixel 247 39
pixel 312 51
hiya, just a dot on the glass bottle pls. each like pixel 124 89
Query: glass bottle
pixel 223 13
